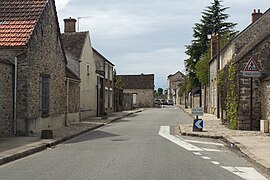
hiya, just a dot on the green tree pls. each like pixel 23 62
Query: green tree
pixel 202 68
pixel 213 21
pixel 160 91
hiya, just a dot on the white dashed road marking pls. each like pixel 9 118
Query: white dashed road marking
pixel 215 162
pixel 247 173
pixel 204 157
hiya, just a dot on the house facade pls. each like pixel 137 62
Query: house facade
pixel 33 61
pixel 104 76
pixel 253 43
pixel 173 86
pixel 141 87
pixel 81 61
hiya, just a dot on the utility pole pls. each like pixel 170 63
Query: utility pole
pixel 78 18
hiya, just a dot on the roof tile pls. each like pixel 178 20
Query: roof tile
pixel 18 19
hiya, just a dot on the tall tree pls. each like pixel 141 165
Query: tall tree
pixel 213 21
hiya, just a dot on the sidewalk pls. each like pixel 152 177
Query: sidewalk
pixel 13 148
pixel 255 145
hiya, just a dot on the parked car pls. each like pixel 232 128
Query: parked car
pixel 169 102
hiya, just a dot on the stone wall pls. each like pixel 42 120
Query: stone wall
pixel 145 97
pixel 265 100
pixel 261 55
pixel 44 57
pixel 252 43
pixel 6 98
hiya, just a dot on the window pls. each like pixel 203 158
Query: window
pixel 45 95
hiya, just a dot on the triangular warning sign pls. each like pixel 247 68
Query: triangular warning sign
pixel 251 66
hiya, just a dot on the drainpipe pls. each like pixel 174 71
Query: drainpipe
pixel 67 80
pixel 15 97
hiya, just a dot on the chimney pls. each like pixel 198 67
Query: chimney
pixel 214 45
pixel 70 25
pixel 256 15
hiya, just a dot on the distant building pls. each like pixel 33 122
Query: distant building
pixel 104 75
pixel 81 61
pixel 142 88
pixel 173 86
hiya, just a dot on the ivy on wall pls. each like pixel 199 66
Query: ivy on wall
pixel 231 100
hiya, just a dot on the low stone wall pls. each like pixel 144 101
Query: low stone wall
pixel 265 100
pixel 145 97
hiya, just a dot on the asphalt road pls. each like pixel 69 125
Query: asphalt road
pixel 133 148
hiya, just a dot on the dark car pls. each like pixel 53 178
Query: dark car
pixel 169 102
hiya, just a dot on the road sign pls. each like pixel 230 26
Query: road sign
pixel 251 69
pixel 197 124
pixel 198 111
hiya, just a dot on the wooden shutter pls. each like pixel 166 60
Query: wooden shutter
pixel 45 96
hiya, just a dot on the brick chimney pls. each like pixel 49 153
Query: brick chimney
pixel 70 25
pixel 214 45
pixel 256 15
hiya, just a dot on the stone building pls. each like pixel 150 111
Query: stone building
pixel 252 43
pixel 81 61
pixel 173 86
pixel 32 63
pixel 213 76
pixel 104 75
pixel 142 88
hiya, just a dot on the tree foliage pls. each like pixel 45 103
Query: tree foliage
pixel 213 21
pixel 160 91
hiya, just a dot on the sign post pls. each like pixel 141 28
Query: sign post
pixel 251 70
pixel 197 123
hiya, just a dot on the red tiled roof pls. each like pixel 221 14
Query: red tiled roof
pixel 18 19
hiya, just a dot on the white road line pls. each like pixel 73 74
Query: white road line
pixel 202 142
pixel 247 173
pixel 211 150
pixel 215 162
pixel 197 153
pixel 164 131
pixel 204 157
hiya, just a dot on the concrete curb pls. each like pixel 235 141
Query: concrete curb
pixel 43 146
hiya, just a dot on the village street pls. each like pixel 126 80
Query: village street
pixel 140 146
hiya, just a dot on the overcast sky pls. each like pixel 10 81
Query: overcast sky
pixel 147 36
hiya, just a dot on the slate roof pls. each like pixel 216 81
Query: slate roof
pixel 105 59
pixel 18 19
pixel 74 42
pixel 143 81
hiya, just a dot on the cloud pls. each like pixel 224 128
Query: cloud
pixel 147 36
pixel 61 4
pixel 160 62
